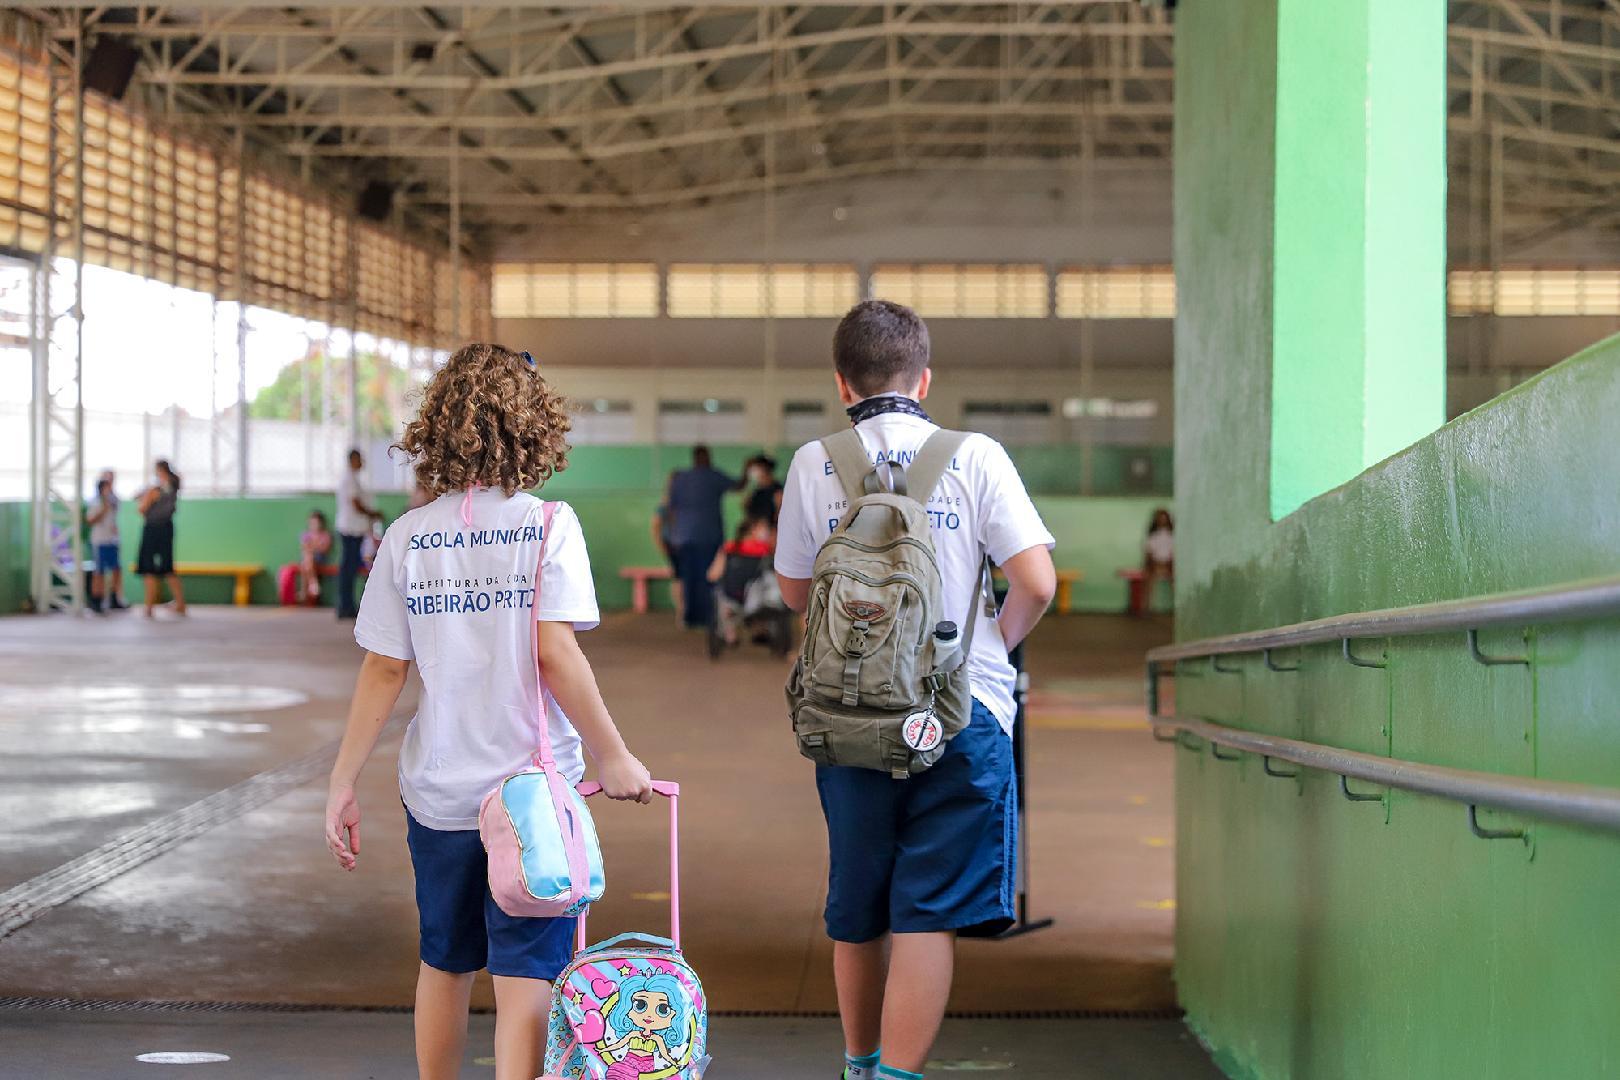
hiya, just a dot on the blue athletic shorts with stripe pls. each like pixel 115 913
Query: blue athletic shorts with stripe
pixel 463 929
pixel 938 851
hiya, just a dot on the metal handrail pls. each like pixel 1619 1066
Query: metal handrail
pixel 1577 804
pixel 1551 800
pixel 1593 599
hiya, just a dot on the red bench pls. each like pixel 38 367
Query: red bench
pixel 638 576
pixel 1137 600
pixel 325 570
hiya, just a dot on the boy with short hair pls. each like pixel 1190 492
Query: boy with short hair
pixel 916 861
pixel 107 581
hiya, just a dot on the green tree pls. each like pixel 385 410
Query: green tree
pixel 382 385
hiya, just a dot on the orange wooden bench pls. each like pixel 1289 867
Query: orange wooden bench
pixel 638 576
pixel 243 573
pixel 1066 580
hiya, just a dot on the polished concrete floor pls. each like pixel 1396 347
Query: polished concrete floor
pixel 160 799
pixel 354 1046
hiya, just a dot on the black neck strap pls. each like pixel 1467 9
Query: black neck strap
pixel 885 403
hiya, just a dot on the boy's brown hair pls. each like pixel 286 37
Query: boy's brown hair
pixel 880 346
pixel 487 418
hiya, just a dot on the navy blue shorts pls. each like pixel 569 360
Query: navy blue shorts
pixel 463 929
pixel 106 558
pixel 936 852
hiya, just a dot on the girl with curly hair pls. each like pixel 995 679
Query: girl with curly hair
pixel 452 589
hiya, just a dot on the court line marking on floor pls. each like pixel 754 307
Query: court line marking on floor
pixel 22 904
pixel 145 1006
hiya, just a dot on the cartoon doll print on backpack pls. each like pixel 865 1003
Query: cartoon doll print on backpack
pixel 630 1007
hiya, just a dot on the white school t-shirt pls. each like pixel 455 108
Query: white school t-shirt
pixel 980 508
pixel 349 521
pixel 458 600
pixel 105 531
pixel 1160 545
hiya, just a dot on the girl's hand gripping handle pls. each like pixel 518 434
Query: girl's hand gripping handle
pixel 670 790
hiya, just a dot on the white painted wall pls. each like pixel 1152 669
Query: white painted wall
pixel 763 399
pixel 1118 213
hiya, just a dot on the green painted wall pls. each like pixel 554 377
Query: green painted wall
pixel 614 490
pixel 1048 469
pixel 13 556
pixel 1098 536
pixel 1320 939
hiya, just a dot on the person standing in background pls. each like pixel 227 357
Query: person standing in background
pixel 696 529
pixel 661 522
pixel 355 513
pixel 107 580
pixel 765 501
pixel 156 559
pixel 1158 553
pixel 313 548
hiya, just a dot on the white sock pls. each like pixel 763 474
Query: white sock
pixel 861 1068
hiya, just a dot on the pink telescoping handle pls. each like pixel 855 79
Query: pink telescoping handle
pixel 670 790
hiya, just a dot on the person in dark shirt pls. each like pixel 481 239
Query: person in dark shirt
pixel 695 528
pixel 765 501
pixel 156 560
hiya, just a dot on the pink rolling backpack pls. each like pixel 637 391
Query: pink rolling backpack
pixel 631 1007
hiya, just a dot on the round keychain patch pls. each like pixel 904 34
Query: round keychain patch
pixel 922 731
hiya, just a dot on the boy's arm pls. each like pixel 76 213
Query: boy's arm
pixel 796 543
pixel 795 592
pixel 1031 582
pixel 376 690
pixel 573 684
pixel 1015 538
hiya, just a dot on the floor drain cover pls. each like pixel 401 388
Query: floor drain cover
pixel 181 1057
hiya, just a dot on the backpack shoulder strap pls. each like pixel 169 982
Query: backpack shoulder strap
pixel 849 460
pixel 924 475
pixel 928 467
pixel 543 754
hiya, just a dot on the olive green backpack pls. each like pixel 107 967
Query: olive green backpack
pixel 881 682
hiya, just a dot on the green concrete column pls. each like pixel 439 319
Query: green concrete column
pixel 1359 255
pixel 1310 255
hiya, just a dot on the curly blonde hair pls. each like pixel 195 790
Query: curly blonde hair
pixel 488 418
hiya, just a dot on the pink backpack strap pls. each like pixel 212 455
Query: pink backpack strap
pixel 573 830
pixel 543 756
